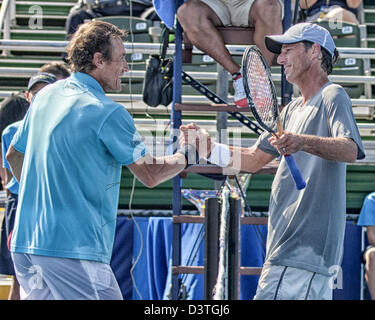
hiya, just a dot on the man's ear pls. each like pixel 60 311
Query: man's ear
pixel 98 60
pixel 27 96
pixel 316 50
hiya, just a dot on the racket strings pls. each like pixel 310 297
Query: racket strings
pixel 260 88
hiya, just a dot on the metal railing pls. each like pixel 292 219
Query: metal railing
pixel 24 72
pixel 153 48
pixel 7 15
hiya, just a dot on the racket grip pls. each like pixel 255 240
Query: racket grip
pixel 296 174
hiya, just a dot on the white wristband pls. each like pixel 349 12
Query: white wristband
pixel 220 155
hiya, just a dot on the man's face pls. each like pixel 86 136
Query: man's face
pixel 294 57
pixel 34 90
pixel 110 77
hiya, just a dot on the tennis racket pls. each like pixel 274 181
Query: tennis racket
pixel 262 99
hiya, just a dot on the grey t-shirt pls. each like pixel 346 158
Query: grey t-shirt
pixel 306 227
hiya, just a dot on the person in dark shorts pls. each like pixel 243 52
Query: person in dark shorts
pixel 12 109
pixel 36 83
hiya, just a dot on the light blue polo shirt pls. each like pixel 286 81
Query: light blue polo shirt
pixel 367 215
pixel 75 141
pixel 6 139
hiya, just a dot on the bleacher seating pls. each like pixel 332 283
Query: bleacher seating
pixel 347 35
pixel 368 17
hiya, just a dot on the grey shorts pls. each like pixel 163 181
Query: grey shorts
pixel 234 12
pixel 288 283
pixel 51 278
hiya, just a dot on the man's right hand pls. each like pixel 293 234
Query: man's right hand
pixel 194 135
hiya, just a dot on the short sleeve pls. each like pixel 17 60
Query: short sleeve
pixel 342 121
pixel 19 141
pixel 6 139
pixel 367 215
pixel 121 138
pixel 263 144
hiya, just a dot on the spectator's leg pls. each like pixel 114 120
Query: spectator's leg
pixel 265 16
pixel 199 23
pixel 14 293
pixel 340 14
pixel 74 19
pixel 370 271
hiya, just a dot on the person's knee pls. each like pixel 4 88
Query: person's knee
pixel 186 11
pixel 75 19
pixel 268 11
pixel 191 13
pixel 370 258
pixel 341 14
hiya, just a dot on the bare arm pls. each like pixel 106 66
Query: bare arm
pixel 336 149
pixel 249 159
pixel 8 177
pixel 2 170
pixel 15 160
pixel 307 3
pixel 371 234
pixel 153 171
pixel 353 3
pixel 339 149
pixel 241 159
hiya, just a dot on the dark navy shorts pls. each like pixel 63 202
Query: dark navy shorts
pixel 6 262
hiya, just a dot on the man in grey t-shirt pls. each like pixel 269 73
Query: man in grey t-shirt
pixel 306 227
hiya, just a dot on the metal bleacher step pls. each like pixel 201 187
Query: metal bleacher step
pixel 52 3
pixel 57 8
pixel 45 33
pixel 52 13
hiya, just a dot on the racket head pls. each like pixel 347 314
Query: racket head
pixel 259 88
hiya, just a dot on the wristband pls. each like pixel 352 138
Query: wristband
pixel 191 154
pixel 220 155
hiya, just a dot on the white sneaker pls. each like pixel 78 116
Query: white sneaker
pixel 239 92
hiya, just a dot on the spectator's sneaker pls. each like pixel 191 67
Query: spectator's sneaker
pixel 239 91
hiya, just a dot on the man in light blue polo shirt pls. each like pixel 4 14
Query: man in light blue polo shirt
pixel 68 155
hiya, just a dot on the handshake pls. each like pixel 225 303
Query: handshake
pixel 195 143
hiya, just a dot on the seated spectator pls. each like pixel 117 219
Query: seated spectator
pixel 13 108
pixel 333 10
pixel 199 19
pixel 367 219
pixel 19 104
pixel 90 9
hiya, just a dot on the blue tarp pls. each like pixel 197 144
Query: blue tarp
pixel 152 273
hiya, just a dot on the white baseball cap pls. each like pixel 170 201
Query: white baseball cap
pixel 302 32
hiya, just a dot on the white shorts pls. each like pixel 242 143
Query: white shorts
pixel 234 12
pixel 52 278
pixel 288 283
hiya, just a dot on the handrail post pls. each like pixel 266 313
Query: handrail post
pixel 5 22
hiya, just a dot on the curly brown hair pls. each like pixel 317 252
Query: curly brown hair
pixel 91 37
